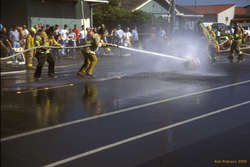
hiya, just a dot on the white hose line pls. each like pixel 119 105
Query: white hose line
pixel 223 42
pixel 247 54
pixel 153 53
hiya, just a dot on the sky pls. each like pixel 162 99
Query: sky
pixel 212 2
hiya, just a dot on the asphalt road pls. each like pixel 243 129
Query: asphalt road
pixel 135 113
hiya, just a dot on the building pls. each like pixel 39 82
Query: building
pixel 215 13
pixel 32 12
pixel 185 18
pixel 242 15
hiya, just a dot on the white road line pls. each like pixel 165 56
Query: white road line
pixel 63 66
pixel 141 136
pixel 119 111
pixel 13 72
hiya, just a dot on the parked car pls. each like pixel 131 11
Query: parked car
pixel 220 26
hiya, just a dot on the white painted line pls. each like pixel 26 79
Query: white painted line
pixel 142 135
pixel 119 111
pixel 13 72
pixel 63 66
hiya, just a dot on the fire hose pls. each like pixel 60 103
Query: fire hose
pixel 224 42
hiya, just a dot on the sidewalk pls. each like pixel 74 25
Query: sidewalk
pixel 18 68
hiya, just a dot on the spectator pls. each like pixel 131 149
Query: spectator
pixel 112 36
pixel 22 37
pixel 36 28
pixel 127 36
pixel 59 51
pixel 26 31
pixel 64 34
pixel 76 30
pixel 135 37
pixel 162 33
pixel 15 37
pixel 72 42
pixel 218 34
pixel 56 31
pixel 104 31
pixel 4 41
pixel 119 35
pixel 47 29
pixel 82 35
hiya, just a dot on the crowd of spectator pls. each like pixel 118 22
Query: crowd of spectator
pixel 16 37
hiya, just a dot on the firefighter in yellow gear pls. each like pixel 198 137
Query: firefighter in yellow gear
pixel 30 44
pixel 43 54
pixel 213 45
pixel 90 59
pixel 235 47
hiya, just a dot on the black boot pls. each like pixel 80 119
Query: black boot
pixel 38 72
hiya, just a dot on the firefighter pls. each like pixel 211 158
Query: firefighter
pixel 235 47
pixel 213 46
pixel 30 44
pixel 43 54
pixel 89 53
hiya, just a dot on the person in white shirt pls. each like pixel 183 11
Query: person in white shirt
pixel 218 34
pixel 127 36
pixel 64 36
pixel 72 42
pixel 135 35
pixel 119 35
pixel 82 35
pixel 26 31
pixel 162 33
pixel 56 31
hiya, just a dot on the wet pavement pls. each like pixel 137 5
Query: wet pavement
pixel 137 112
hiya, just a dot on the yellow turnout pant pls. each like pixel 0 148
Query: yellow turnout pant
pixel 90 61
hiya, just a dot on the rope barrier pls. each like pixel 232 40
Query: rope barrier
pixel 51 47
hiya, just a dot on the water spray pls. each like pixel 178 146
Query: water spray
pixel 189 62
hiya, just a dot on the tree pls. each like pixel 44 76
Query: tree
pixel 113 14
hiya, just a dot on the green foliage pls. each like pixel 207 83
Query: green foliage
pixel 112 14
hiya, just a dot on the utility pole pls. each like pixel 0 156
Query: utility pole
pixel 91 15
pixel 172 19
pixel 82 12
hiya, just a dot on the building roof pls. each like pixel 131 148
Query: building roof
pixel 137 4
pixel 209 9
pixel 132 4
pixel 240 11
pixel 185 11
